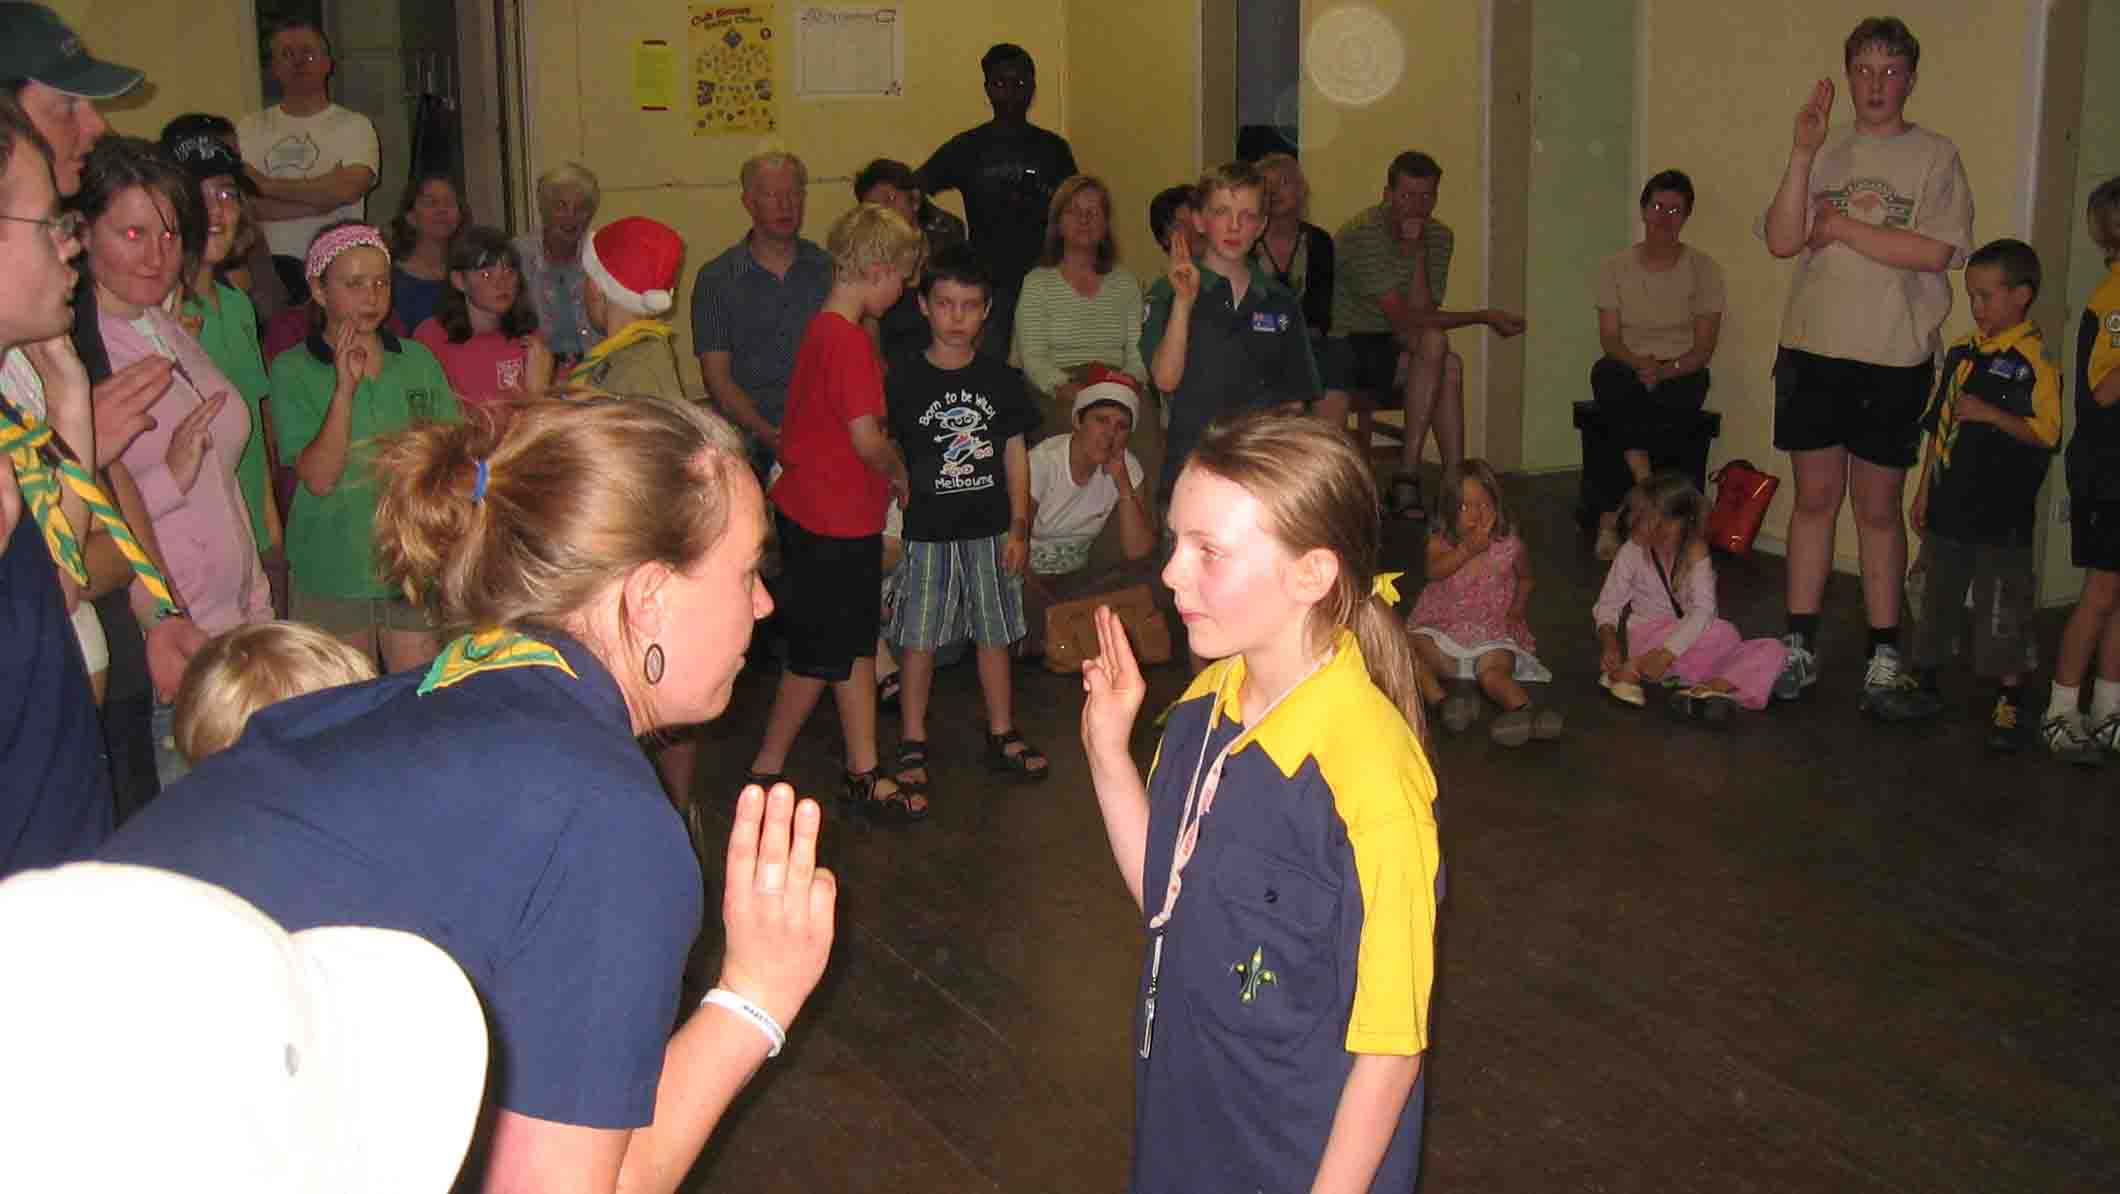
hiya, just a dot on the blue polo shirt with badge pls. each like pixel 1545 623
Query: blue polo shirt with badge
pixel 497 806
pixel 1239 356
pixel 1303 933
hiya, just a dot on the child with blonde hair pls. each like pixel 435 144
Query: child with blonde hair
pixel 238 673
pixel 839 471
pixel 1469 619
pixel 1663 572
pixel 1283 1010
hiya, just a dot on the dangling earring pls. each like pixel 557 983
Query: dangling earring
pixel 651 664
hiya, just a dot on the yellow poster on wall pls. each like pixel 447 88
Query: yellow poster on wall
pixel 734 89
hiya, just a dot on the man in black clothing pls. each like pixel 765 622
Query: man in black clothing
pixel 1007 170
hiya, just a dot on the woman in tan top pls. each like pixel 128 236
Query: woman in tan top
pixel 1659 311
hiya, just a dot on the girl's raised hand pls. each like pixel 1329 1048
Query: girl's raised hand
pixel 1814 116
pixel 1115 689
pixel 188 443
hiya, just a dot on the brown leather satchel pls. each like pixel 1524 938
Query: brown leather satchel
pixel 1071 628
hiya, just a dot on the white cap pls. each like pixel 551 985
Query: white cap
pixel 1107 391
pixel 159 1033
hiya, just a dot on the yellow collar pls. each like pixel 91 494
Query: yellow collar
pixel 625 337
pixel 1303 719
pixel 2025 331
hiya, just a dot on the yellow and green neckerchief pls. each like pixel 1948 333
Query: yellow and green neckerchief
pixel 625 337
pixel 42 465
pixel 490 650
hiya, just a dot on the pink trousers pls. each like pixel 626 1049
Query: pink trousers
pixel 1720 653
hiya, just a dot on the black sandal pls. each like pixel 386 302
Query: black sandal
pixel 912 752
pixel 859 791
pixel 1017 762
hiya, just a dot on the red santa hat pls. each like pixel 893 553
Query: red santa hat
pixel 635 261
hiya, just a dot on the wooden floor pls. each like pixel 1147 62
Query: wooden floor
pixel 1807 953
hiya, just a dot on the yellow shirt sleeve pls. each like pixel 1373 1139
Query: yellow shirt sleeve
pixel 1396 863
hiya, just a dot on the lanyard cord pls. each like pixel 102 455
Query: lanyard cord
pixel 1202 795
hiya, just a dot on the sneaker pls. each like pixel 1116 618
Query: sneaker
pixel 2005 735
pixel 1607 543
pixel 2105 735
pixel 1459 712
pixel 1626 692
pixel 1798 671
pixel 1889 694
pixel 2065 738
pixel 1702 703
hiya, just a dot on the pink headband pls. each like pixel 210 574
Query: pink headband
pixel 326 248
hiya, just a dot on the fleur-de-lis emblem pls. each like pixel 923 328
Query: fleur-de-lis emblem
pixel 1253 974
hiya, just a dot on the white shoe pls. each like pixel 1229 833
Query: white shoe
pixel 1626 692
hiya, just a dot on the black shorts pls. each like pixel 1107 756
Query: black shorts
pixel 1874 411
pixel 2094 534
pixel 1361 361
pixel 828 598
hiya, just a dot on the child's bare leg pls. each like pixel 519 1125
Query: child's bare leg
pixel 916 681
pixel 2092 629
pixel 994 669
pixel 792 704
pixel 1434 664
pixel 1497 673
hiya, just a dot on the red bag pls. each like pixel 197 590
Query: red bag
pixel 1742 495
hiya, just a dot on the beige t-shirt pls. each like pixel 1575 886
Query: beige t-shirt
pixel 1657 307
pixel 1841 303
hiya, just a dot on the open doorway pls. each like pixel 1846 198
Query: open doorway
pixel 1251 62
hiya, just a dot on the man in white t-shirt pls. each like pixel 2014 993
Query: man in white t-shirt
pixel 1079 482
pixel 313 161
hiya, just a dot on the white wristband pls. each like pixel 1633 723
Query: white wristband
pixel 756 1016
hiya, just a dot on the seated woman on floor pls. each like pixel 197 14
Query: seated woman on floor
pixel 1659 312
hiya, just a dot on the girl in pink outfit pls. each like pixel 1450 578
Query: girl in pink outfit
pixel 484 329
pixel 1663 571
pixel 1469 618
pixel 144 219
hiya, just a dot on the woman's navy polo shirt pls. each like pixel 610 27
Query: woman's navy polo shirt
pixel 508 817
pixel 1303 934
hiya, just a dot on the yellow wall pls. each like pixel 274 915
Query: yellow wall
pixel 1435 107
pixel 651 165
pixel 200 56
pixel 1131 104
pixel 1720 89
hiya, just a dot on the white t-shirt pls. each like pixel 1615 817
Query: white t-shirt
pixel 1070 516
pixel 283 146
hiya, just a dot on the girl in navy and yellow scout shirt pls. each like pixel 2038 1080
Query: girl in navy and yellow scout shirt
pixel 1283 1007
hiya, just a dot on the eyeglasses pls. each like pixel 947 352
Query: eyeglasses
pixel 62 230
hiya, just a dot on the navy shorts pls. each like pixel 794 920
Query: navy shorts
pixel 829 599
pixel 1361 361
pixel 1874 411
pixel 2094 534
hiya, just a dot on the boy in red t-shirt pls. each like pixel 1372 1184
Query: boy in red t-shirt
pixel 839 472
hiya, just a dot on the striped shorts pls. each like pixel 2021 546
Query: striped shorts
pixel 955 587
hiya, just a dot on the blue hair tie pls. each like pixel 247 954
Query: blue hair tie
pixel 478 487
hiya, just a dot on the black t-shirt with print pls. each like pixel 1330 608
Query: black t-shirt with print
pixel 954 426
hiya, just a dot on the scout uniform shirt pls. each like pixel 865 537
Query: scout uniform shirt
pixel 1238 356
pixel 2094 451
pixel 329 536
pixel 1985 483
pixel 1303 932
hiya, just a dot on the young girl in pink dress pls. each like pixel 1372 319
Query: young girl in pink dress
pixel 484 329
pixel 1674 637
pixel 1469 619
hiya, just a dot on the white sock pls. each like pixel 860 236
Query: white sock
pixel 2105 699
pixel 2066 702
